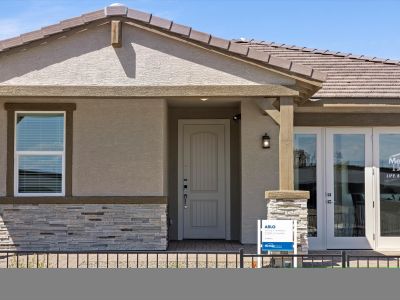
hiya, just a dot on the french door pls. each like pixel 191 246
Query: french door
pixel 349 194
pixel 353 175
pixel 387 192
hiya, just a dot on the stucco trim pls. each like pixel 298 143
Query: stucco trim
pixel 85 200
pixel 271 90
pixel 289 195
pixel 11 108
pixel 40 106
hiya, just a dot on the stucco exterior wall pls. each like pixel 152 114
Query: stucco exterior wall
pixel 146 58
pixel 3 150
pixel 119 147
pixel 260 167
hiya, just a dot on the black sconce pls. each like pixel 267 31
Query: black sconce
pixel 266 141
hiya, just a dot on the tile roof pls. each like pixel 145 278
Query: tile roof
pixel 348 75
pixel 232 48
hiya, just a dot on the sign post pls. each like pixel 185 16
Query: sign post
pixel 276 235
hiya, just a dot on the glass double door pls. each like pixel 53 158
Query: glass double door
pixel 353 175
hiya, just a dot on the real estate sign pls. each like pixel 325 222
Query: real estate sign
pixel 278 235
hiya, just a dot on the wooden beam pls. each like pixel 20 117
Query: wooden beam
pixel 269 90
pixel 116 34
pixel 267 106
pixel 286 173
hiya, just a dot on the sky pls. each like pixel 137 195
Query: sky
pixel 369 27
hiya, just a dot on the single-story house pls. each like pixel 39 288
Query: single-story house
pixel 123 130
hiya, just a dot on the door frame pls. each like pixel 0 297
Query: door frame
pixel 382 243
pixel 226 123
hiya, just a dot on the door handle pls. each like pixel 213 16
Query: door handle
pixel 329 201
pixel 185 190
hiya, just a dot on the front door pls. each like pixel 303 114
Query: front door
pixel 205 149
pixel 349 189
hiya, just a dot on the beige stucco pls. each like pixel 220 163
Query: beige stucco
pixel 146 58
pixel 260 167
pixel 119 147
pixel 3 150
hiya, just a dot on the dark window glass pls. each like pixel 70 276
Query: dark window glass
pixel 389 170
pixel 305 174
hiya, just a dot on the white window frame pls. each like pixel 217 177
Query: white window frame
pixel 17 154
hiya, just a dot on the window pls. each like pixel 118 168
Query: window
pixel 39 160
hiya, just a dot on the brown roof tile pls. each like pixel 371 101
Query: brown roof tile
pixel 32 36
pixel 348 75
pixel 73 22
pixel 52 29
pixel 200 36
pixel 239 49
pixel 180 29
pixel 138 15
pixel 280 62
pixel 160 22
pixel 93 16
pixel 219 43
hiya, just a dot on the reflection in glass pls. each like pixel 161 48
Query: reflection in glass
pixel 349 185
pixel 305 174
pixel 40 174
pixel 389 170
pixel 40 132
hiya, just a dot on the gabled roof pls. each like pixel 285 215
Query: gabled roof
pixel 348 75
pixel 234 49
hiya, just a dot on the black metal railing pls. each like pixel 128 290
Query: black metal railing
pixel 293 260
pixel 373 261
pixel 188 259
pixel 119 259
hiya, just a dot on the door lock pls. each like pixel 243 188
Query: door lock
pixel 185 193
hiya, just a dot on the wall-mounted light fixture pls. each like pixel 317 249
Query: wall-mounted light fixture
pixel 266 141
pixel 237 117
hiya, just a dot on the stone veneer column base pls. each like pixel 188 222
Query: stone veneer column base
pixel 80 227
pixel 290 205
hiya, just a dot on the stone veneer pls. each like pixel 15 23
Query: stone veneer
pixel 83 227
pixel 280 206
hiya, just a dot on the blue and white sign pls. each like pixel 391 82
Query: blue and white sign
pixel 277 235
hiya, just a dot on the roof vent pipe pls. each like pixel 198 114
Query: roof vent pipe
pixel 116 9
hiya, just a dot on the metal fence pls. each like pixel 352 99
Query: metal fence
pixel 185 260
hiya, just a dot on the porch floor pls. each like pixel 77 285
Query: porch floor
pixel 209 245
pixel 222 245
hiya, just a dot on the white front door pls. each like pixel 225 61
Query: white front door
pixel 349 189
pixel 204 151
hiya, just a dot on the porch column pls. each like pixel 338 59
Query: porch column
pixel 286 203
pixel 286 179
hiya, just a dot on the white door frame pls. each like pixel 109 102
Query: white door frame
pixel 226 123
pixel 319 242
pixel 382 243
pixel 366 242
